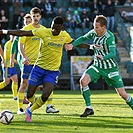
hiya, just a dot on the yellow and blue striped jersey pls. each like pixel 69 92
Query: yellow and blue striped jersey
pixel 31 44
pixel 51 49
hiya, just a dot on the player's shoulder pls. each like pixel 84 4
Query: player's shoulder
pixel 42 26
pixel 27 27
pixel 64 32
pixel 109 34
pixel 8 43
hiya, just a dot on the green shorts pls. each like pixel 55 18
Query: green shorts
pixel 110 75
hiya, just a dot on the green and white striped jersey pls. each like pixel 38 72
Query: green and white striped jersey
pixel 101 47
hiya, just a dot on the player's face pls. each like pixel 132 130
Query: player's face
pixel 28 21
pixel 100 30
pixel 56 28
pixel 36 18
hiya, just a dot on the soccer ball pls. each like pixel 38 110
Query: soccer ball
pixel 6 117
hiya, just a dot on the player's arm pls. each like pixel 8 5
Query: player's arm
pixel 13 50
pixel 17 32
pixel 79 41
pixel 21 49
pixel 112 50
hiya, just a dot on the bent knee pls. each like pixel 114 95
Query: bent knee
pixel 84 82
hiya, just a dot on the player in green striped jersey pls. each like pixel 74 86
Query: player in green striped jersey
pixel 104 63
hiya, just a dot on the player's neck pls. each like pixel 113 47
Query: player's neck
pixel 36 25
pixel 102 33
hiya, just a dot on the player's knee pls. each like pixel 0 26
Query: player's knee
pixel 22 86
pixel 83 82
pixel 7 81
pixel 123 94
pixel 45 97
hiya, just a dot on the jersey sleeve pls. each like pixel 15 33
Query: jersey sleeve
pixel 69 39
pixel 83 38
pixel 40 32
pixel 112 48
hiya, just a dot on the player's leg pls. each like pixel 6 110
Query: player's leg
pixel 31 97
pixel 14 79
pixel 91 74
pixel 21 93
pixel 49 107
pixel 39 76
pixel 5 82
pixel 125 96
pixel 6 78
pixel 23 86
pixel 50 79
pixel 115 80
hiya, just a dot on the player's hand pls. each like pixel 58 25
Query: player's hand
pixel 68 47
pixel 26 61
pixel 100 57
pixel 12 62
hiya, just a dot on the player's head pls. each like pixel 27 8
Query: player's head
pixel 99 24
pixel 57 25
pixel 27 19
pixel 35 15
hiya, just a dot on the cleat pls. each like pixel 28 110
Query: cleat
pixel 51 109
pixel 25 101
pixel 15 98
pixel 28 114
pixel 87 112
pixel 29 105
pixel 20 111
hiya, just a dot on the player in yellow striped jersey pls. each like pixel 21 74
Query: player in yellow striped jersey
pixel 46 68
pixel 29 49
pixel 8 71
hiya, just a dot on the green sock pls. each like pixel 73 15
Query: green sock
pixel 86 95
pixel 129 101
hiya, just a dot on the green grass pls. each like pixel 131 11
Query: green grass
pixel 112 115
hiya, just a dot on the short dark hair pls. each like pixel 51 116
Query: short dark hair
pixel 35 10
pixel 101 19
pixel 58 20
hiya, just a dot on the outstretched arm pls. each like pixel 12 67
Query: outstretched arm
pixel 17 32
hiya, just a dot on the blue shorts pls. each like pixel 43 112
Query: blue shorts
pixel 9 72
pixel 26 71
pixel 39 76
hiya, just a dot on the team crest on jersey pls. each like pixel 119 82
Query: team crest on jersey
pixel 113 42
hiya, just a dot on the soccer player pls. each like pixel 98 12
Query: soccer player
pixel 8 71
pixel 46 69
pixel 104 63
pixel 1 54
pixel 29 49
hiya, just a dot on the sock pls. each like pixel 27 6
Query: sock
pixel 20 99
pixel 37 104
pixel 129 101
pixel 86 95
pixel 32 99
pixel 2 85
pixel 49 101
pixel 14 88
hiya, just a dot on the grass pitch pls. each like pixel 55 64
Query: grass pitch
pixel 112 115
